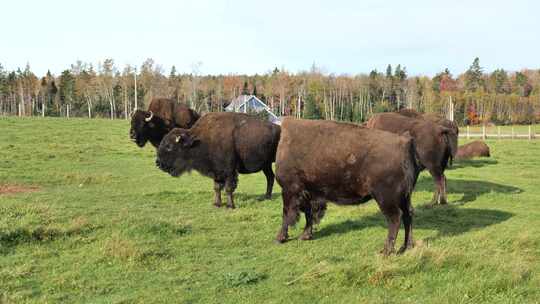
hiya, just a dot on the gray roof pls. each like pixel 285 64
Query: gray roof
pixel 237 103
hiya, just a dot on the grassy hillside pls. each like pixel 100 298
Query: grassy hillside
pixel 86 217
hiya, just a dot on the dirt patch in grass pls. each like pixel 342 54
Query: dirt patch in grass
pixel 6 189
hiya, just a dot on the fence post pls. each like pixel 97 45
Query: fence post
pixel 483 132
pixel 468 135
pixel 530 134
pixel 512 132
pixel 499 132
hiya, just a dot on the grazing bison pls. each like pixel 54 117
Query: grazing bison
pixel 436 118
pixel 162 116
pixel 434 144
pixel 476 148
pixel 221 145
pixel 320 161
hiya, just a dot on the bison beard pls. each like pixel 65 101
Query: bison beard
pixel 320 161
pixel 221 145
pixel 162 116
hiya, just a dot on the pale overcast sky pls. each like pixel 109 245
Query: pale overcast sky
pixel 255 36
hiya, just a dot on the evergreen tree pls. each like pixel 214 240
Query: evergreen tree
pixel 473 76
pixel 312 111
pixel 254 89
pixel 172 75
pixel 245 90
pixel 389 71
pixel 499 79
pixel 67 87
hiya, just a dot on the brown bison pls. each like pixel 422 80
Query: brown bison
pixel 434 144
pixel 320 161
pixel 162 116
pixel 476 148
pixel 221 145
pixel 438 119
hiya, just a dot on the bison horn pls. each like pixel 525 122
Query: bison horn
pixel 178 139
pixel 147 119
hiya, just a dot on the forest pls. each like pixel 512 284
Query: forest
pixel 109 91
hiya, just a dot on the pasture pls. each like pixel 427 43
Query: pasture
pixel 85 216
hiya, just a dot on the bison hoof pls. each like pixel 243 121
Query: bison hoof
pixel 281 239
pixel 268 196
pixel 404 248
pixel 387 251
pixel 231 206
pixel 217 205
pixel 306 236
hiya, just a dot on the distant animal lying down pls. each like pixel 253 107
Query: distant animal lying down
pixel 320 161
pixel 162 116
pixel 476 148
pixel 221 145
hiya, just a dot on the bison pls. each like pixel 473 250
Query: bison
pixel 476 148
pixel 320 161
pixel 434 144
pixel 221 145
pixel 438 119
pixel 162 116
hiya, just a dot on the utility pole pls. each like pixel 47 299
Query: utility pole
pixel 135 77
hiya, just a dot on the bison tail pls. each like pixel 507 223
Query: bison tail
pixel 414 166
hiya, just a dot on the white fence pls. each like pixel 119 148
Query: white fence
pixel 485 134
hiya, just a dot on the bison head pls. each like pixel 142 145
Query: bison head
pixel 175 152
pixel 141 124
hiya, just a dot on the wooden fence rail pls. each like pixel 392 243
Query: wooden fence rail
pixel 485 135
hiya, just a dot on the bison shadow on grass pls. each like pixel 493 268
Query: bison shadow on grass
pixel 472 163
pixel 470 189
pixel 447 220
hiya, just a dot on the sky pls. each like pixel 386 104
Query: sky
pixel 248 37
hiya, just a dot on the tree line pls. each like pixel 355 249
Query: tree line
pixel 108 91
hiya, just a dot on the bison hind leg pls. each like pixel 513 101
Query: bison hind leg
pixel 406 217
pixel 267 170
pixel 291 207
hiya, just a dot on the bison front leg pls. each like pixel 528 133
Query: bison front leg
pixel 439 194
pixel 392 217
pixel 218 186
pixel 269 181
pixel 230 186
pixel 442 196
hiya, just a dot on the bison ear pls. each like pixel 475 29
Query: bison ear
pixel 187 140
pixel 445 130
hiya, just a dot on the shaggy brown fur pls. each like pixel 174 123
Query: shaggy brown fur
pixel 476 148
pixel 221 145
pixel 320 161
pixel 438 119
pixel 434 144
pixel 165 115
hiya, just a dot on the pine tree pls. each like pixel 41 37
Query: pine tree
pixel 312 111
pixel 172 75
pixel 254 90
pixel 389 71
pixel 245 90
pixel 473 76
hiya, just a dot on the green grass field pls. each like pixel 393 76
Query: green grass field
pixel 86 217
